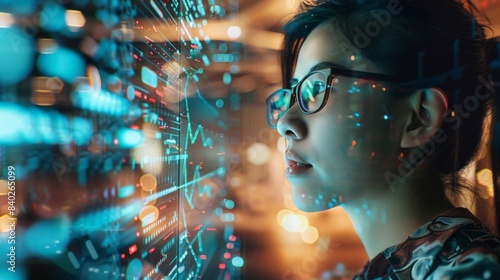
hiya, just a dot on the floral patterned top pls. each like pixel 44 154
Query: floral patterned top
pixel 454 245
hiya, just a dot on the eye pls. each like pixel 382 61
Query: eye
pixel 312 91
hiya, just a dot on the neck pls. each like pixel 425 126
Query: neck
pixel 387 219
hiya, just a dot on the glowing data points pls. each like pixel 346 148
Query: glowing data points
pixel 237 261
pixel 148 182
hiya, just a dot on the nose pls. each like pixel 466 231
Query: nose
pixel 292 124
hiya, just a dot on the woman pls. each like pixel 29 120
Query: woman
pixel 384 105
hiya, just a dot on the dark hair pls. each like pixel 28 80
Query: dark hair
pixel 433 43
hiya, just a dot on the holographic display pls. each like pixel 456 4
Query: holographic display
pixel 108 154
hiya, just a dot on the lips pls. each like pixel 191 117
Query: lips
pixel 296 165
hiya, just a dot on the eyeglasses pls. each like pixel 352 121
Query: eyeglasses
pixel 312 92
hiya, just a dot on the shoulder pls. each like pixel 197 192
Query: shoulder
pixel 472 252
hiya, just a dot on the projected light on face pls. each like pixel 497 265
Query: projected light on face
pixel 337 122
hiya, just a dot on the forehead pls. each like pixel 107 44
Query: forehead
pixel 326 44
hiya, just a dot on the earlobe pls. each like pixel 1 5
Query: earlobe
pixel 428 108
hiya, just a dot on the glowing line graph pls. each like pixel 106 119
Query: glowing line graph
pixel 207 141
pixel 218 171
pixel 206 189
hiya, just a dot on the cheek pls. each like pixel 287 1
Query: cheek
pixel 358 131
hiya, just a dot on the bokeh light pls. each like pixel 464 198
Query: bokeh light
pixel 237 261
pixel 234 32
pixel 148 182
pixel 46 238
pixel 258 154
pixel 310 235
pixel 63 63
pixel 149 214
pixel 16 54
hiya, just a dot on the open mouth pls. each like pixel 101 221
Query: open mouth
pixel 294 167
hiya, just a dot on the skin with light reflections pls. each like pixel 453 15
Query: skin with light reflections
pixel 382 216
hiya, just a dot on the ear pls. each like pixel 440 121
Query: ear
pixel 427 110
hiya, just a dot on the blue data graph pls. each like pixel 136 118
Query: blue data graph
pixel 117 175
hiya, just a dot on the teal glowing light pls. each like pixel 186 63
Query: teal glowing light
pixel 115 105
pixel 149 77
pixel 19 8
pixel 229 217
pixel 229 204
pixel 226 78
pixel 47 238
pixel 219 103
pixel 237 261
pixel 126 191
pixel 63 63
pixel 134 270
pixel 82 130
pixel 11 131
pixel 53 17
pixel 129 138
pixel 16 55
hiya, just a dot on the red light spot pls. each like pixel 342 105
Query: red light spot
pixel 222 266
pixel 230 245
pixel 115 141
pixel 354 143
pixel 132 249
pixel 122 256
pixel 137 234
pixel 232 238
pixel 227 255
pixel 203 257
pixel 151 250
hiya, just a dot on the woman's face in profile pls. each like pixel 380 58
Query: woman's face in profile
pixel 335 155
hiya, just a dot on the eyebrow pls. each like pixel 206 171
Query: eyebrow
pixel 323 65
pixel 319 66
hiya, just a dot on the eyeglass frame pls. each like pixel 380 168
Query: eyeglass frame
pixel 334 72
